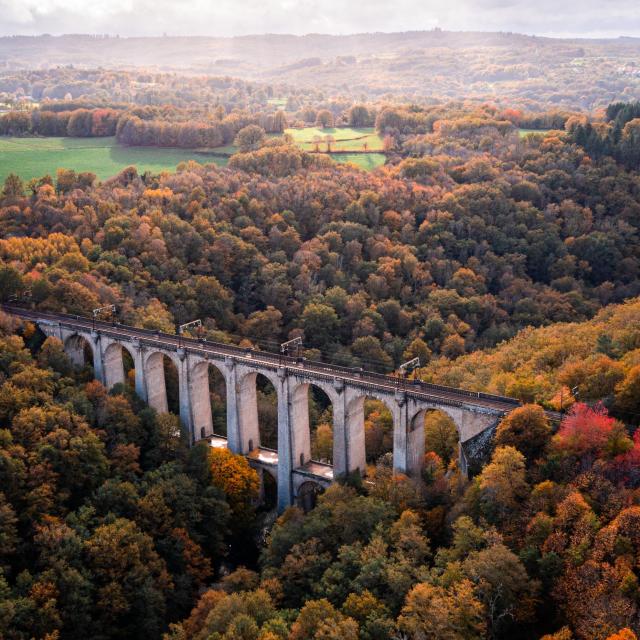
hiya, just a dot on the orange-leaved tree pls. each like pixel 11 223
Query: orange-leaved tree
pixel 231 473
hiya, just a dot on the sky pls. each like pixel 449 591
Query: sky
pixel 582 18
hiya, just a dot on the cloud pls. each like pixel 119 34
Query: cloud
pixel 240 17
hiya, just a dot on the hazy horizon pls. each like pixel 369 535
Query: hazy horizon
pixel 227 18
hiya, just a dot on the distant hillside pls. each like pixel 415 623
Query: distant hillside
pixel 421 64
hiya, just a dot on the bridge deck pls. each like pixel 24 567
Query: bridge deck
pixel 367 380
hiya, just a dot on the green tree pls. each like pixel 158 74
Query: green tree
pixel 320 323
pixel 264 325
pixel 417 349
pixel 250 138
pixel 53 355
pixel 214 300
pixel 502 585
pixel 318 618
pixel 527 429
pixel 371 354
pixel 10 282
pixel 359 116
pixel 627 398
pixel 440 435
pixel 8 530
pixel 324 119
pixel 131 580
pixel 503 484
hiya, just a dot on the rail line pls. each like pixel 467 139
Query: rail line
pixel 368 380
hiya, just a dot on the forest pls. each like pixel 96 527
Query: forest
pixel 499 244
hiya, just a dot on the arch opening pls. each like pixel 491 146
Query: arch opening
pixel 378 430
pixel 307 497
pixel 129 366
pixel 172 383
pixel 79 350
pixel 369 428
pixel 320 425
pixel 312 425
pixel 163 383
pixel 119 365
pixel 433 443
pixel 267 405
pixel 257 413
pixel 208 401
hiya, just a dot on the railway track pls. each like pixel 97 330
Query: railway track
pixel 307 368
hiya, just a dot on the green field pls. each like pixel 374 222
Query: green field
pixel 346 138
pixel 35 157
pixel 526 132
pixel 368 161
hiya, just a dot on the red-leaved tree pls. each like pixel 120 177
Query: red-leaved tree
pixel 589 433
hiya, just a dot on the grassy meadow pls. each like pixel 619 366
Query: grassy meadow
pixel 367 161
pixel 35 157
pixel 526 132
pixel 345 138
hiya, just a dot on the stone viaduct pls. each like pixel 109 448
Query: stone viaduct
pixel 291 465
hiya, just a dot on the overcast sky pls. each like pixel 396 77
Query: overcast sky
pixel 588 18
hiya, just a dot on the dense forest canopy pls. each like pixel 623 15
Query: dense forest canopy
pixel 489 234
pixel 498 245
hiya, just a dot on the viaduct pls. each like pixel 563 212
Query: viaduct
pixel 291 465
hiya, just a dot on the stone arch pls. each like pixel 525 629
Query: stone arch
pixel 271 471
pixel 300 432
pixel 355 429
pixel 80 350
pixel 154 373
pixel 300 419
pixel 424 408
pixel 113 358
pixel 416 436
pixel 248 415
pixel 200 381
pixel 307 495
pixel 321 411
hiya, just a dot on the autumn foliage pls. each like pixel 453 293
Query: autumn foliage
pixel 589 432
pixel 506 264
